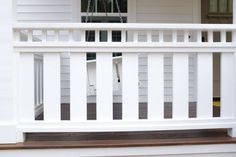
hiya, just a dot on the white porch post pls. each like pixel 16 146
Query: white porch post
pixel 232 132
pixel 8 133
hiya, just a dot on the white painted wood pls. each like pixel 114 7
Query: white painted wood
pixel 104 83
pixel 204 85
pixel 44 35
pixel 123 36
pixel 210 36
pixel 130 109
pixel 174 36
pixel 109 36
pixel 227 88
pixel 180 86
pixel 120 26
pixel 155 86
pixel 52 92
pixel 96 35
pixel 210 150
pixel 223 36
pixel 122 125
pixel 199 36
pixel 78 86
pixel 27 92
pixel 83 35
pixel 30 36
pixel 186 36
pixel 149 36
pixel 161 36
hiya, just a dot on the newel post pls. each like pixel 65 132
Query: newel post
pixel 232 132
pixel 8 109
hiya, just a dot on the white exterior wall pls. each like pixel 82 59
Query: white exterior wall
pixel 141 11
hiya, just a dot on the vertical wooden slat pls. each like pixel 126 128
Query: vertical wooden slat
pixel 44 35
pixel 97 36
pixel 174 36
pixel 210 36
pixel 149 36
pixel 161 36
pixel 123 36
pixel 227 82
pixel 155 86
pixel 78 86
pixel 204 85
pixel 223 36
pixel 199 36
pixel 180 85
pixel 52 87
pixel 186 36
pixel 56 35
pixel 104 87
pixel 30 35
pixel 130 107
pixel 109 36
pixel 71 35
pixel 83 35
pixel 135 37
pixel 27 87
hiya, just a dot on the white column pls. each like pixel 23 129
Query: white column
pixel 7 105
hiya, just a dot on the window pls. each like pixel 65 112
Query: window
pixel 220 7
pixel 101 6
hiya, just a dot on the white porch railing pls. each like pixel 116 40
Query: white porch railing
pixel 154 40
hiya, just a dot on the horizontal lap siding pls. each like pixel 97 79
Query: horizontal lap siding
pixel 165 11
pixel 48 11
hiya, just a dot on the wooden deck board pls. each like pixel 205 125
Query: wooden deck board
pixel 122 139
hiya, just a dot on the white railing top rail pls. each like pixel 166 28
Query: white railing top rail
pixel 125 26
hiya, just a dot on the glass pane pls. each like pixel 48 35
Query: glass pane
pixel 223 6
pixel 213 6
pixel 230 6
pixel 122 4
pixel 104 6
pixel 84 5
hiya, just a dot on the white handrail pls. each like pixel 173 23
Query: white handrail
pixel 136 26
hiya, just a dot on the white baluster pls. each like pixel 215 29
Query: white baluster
pixel 27 88
pixel 180 85
pixel 155 86
pixel 52 82
pixel 205 85
pixel 227 88
pixel 123 36
pixel 78 86
pixel 161 36
pixel 174 36
pixel 223 36
pixel 130 106
pixel 104 87
pixel 30 35
pixel 210 36
pixel 186 36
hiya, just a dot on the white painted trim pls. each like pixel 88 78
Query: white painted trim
pixel 214 150
pixel 124 47
pixel 128 26
pixel 132 7
pixel 121 125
